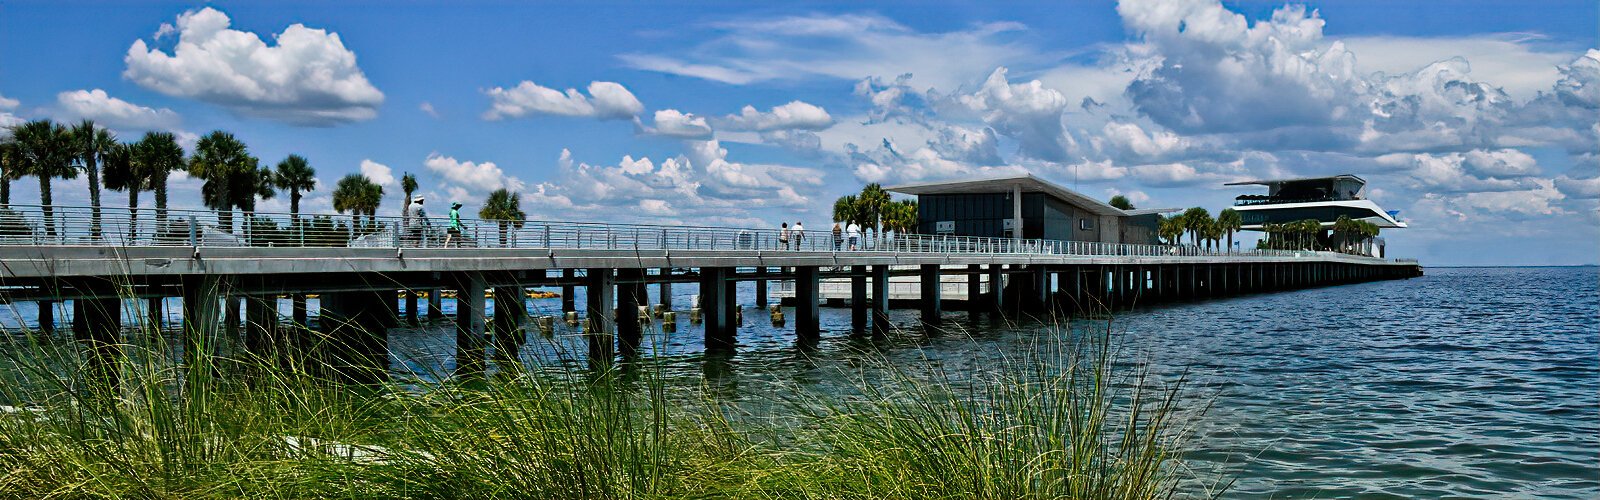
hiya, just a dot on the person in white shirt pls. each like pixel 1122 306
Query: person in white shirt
pixel 853 233
pixel 416 220
pixel 798 234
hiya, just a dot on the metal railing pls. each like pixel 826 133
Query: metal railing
pixel 118 226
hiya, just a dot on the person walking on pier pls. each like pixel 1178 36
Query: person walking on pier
pixel 799 234
pixel 838 237
pixel 416 221
pixel 453 231
pixel 854 234
pixel 783 236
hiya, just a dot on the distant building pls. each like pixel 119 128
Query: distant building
pixel 996 207
pixel 1320 198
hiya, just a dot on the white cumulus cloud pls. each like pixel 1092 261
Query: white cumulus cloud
pixel 673 123
pixel 113 112
pixel 378 172
pixel 475 179
pixel 308 77
pixel 796 115
pixel 606 100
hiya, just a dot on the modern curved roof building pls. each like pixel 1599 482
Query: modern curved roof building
pixel 1320 198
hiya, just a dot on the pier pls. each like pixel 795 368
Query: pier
pixel 360 268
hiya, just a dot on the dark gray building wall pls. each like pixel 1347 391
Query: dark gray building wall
pixel 1141 229
pixel 985 215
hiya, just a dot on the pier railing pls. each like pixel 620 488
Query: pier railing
pixel 34 225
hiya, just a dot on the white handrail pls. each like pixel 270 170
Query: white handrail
pixel 73 225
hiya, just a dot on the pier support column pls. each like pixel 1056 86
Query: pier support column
pixel 880 300
pixel 931 295
pixel 435 304
pixel 470 342
pixel 47 317
pixel 261 325
pixel 1039 293
pixel 761 287
pixel 666 288
pixel 1077 290
pixel 97 324
pixel 858 299
pixel 202 316
pixel 974 287
pixel 807 303
pixel 601 325
pixel 569 293
pixel 354 326
pixel 510 313
pixel 156 312
pixel 298 311
pixel 628 301
pixel 411 307
pixel 997 289
pixel 716 316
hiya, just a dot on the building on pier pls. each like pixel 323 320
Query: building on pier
pixel 996 207
pixel 1321 198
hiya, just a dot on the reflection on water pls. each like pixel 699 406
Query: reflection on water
pixel 1466 382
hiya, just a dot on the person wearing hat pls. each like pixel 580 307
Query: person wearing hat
pixel 454 230
pixel 415 219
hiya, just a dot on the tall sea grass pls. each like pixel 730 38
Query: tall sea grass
pixel 1065 419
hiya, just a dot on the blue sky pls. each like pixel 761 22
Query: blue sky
pixel 1476 119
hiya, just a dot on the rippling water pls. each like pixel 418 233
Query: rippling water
pixel 1472 382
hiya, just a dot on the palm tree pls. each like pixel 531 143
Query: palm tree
pixel 846 209
pixel 123 173
pixel 1171 229
pixel 296 176
pixel 1121 202
pixel 504 207
pixel 1231 221
pixel 223 163
pixel 10 164
pixel 872 200
pixel 408 184
pixel 93 143
pixel 1194 220
pixel 357 195
pixel 157 155
pixel 46 150
pixel 1214 233
pixel 900 217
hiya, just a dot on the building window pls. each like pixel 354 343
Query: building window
pixel 1086 224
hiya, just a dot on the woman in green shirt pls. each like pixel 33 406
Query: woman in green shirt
pixel 453 231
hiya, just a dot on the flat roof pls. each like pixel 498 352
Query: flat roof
pixel 1148 211
pixel 1265 182
pixel 1027 182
